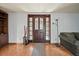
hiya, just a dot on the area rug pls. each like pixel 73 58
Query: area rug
pixel 39 50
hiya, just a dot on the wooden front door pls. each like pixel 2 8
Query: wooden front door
pixel 39 28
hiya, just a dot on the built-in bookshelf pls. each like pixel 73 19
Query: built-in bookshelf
pixel 3 28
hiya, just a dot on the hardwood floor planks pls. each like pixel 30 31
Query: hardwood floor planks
pixel 26 50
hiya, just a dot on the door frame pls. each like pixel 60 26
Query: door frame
pixel 48 15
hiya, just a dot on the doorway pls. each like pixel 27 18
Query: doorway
pixel 39 28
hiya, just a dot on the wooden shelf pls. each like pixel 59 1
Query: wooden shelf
pixel 3 22
pixel 3 28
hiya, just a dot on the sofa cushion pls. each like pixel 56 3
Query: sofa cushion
pixel 76 36
pixel 69 37
pixel 69 34
pixel 77 43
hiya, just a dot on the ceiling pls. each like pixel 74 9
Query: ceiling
pixel 71 8
pixel 39 7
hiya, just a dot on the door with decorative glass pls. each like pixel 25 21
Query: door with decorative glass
pixel 39 28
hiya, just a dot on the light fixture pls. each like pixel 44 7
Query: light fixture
pixel 57 29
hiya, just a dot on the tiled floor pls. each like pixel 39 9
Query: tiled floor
pixel 28 50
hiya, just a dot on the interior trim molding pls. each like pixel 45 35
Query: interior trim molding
pixel 31 41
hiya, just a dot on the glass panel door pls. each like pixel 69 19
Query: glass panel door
pixel 36 23
pixel 39 28
pixel 41 23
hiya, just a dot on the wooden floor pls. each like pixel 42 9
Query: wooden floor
pixel 26 50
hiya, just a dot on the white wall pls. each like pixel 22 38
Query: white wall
pixel 12 27
pixel 16 27
pixel 68 22
pixel 21 21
